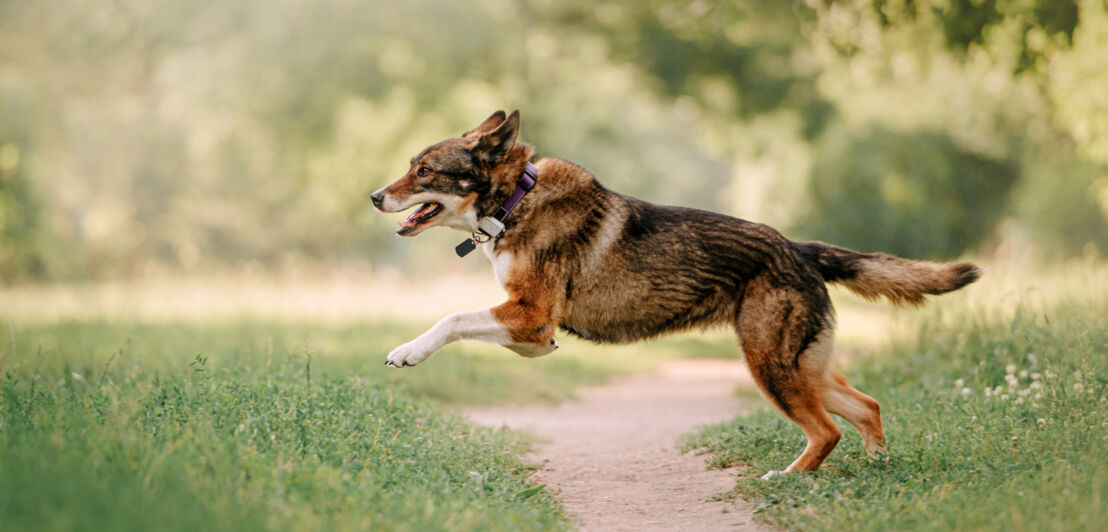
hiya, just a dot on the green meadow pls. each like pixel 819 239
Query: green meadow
pixel 110 426
pixel 246 425
pixel 995 404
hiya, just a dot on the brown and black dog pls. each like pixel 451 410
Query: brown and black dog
pixel 611 268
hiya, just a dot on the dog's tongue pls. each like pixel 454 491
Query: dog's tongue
pixel 423 209
pixel 414 217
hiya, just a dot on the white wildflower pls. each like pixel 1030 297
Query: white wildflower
pixel 1023 374
pixel 1036 376
pixel 1035 385
pixel 988 392
pixel 1034 405
pixel 1024 393
pixel 1039 395
pixel 1004 397
pixel 966 391
pixel 1041 421
pixel 959 383
pixel 1050 374
pixel 1010 368
pixel 1077 386
pixel 1034 360
pixel 77 377
pixel 1018 401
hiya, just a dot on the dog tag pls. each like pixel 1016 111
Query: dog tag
pixel 465 247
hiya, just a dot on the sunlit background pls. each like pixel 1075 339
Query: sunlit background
pixel 196 297
pixel 158 143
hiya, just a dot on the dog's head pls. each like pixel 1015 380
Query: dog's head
pixel 457 181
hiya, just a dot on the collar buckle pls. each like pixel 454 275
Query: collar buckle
pixel 491 227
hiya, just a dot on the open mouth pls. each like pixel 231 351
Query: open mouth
pixel 419 218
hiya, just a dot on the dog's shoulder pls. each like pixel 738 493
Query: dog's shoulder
pixel 560 177
pixel 562 214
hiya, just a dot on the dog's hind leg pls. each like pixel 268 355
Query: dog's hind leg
pixel 859 409
pixel 788 363
pixel 796 392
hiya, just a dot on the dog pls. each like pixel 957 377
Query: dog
pixel 611 268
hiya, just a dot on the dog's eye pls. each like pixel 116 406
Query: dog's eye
pixel 423 171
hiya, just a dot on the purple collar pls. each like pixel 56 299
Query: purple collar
pixel 491 227
pixel 526 181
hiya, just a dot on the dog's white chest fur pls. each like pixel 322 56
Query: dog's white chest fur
pixel 501 263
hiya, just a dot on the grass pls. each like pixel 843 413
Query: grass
pixel 462 373
pixel 996 415
pixel 240 428
pixel 275 425
pixel 111 421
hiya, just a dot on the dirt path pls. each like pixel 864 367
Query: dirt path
pixel 612 456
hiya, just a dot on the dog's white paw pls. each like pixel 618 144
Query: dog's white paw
pixel 409 354
pixel 770 475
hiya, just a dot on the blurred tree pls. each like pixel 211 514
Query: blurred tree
pixel 737 59
pixel 915 194
pixel 1020 80
pixel 1028 30
pixel 1064 205
pixel 1077 79
pixel 19 211
pixel 193 134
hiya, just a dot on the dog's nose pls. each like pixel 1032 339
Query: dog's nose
pixel 377 198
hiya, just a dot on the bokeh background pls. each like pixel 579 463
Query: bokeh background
pixel 196 297
pixel 144 139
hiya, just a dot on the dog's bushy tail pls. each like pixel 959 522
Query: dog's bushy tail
pixel 872 275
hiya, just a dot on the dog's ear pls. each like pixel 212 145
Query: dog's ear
pixel 493 146
pixel 489 124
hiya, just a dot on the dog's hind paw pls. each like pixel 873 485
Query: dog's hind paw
pixel 770 475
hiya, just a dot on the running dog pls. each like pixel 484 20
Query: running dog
pixel 606 267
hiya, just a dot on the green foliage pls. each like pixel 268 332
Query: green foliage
pixel 1019 24
pixel 728 56
pixel 915 194
pixel 1076 78
pixel 991 425
pixel 170 134
pixel 19 210
pixel 216 428
pixel 1067 203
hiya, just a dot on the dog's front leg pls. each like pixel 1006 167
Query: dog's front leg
pixel 497 326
